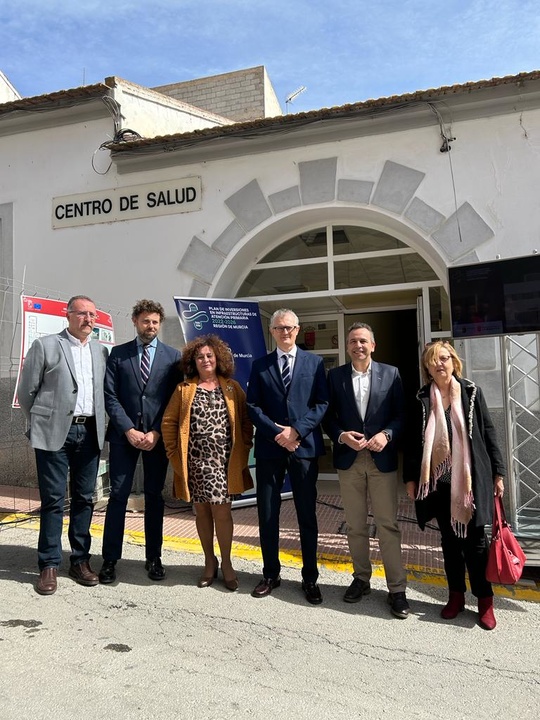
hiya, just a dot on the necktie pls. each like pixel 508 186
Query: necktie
pixel 286 372
pixel 145 364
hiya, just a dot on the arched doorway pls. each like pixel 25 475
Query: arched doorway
pixel 334 275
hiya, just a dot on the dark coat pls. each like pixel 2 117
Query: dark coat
pixel 486 457
pixel 385 411
pixel 302 407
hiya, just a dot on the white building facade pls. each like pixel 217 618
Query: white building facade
pixel 341 214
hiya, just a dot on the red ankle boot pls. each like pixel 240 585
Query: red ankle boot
pixel 485 613
pixel 455 605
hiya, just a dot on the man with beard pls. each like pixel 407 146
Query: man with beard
pixel 140 378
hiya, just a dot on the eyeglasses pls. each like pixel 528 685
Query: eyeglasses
pixel 83 314
pixel 284 328
pixel 443 359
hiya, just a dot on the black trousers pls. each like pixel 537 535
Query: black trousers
pixel 270 473
pixel 470 552
pixel 122 463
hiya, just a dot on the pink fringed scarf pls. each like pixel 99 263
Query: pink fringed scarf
pixel 438 457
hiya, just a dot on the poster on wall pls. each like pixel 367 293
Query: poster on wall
pixel 236 322
pixel 43 316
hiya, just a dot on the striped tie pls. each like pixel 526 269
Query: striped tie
pixel 145 364
pixel 286 372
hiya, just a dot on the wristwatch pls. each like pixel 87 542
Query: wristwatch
pixel 386 435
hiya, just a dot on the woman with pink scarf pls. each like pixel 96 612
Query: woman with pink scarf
pixel 457 473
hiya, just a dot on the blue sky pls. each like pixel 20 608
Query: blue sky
pixel 341 50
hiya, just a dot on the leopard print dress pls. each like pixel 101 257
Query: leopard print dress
pixel 209 447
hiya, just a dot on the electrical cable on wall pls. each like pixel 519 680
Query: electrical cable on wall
pixel 446 147
pixel 120 134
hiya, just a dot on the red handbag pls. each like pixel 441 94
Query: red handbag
pixel 506 558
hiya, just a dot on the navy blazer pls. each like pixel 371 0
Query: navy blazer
pixel 385 411
pixel 302 407
pixel 128 403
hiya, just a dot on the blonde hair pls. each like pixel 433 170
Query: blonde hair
pixel 430 356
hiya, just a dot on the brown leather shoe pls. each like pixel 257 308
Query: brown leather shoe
pixel 83 574
pixel 46 585
pixel 265 587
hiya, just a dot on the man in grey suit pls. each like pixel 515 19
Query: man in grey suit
pixel 61 394
pixel 364 420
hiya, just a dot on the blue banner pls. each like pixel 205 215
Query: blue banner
pixel 237 322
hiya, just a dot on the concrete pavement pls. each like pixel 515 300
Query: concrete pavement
pixel 170 650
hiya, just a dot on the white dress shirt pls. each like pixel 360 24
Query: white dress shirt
pixel 291 356
pixel 82 359
pixel 361 384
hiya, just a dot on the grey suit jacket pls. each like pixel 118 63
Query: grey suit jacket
pixel 48 390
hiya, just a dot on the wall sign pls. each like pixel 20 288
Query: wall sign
pixel 127 203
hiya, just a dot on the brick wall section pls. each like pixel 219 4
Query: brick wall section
pixel 241 95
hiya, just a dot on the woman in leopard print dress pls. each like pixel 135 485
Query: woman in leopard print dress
pixel 207 435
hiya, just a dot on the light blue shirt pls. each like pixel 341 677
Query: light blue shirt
pixel 151 347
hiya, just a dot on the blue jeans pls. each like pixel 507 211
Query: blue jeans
pixel 79 457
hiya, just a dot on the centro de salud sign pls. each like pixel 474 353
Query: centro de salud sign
pixel 127 203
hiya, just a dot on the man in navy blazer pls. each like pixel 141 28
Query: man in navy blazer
pixel 364 420
pixel 287 397
pixel 140 378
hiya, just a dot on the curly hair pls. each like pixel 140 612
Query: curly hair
pixel 430 356
pixel 224 356
pixel 148 306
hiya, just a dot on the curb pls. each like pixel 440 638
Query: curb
pixel 525 589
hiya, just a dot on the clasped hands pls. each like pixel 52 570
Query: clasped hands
pixel 357 441
pixel 141 440
pixel 288 438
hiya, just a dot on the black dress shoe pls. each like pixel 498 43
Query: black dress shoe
pixel 312 593
pixel 265 587
pixel 83 574
pixel 155 569
pixel 399 605
pixel 356 591
pixel 107 574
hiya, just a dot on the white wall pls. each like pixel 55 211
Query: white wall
pixel 495 166
pixel 7 91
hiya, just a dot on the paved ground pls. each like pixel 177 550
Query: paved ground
pixel 421 550
pixel 170 650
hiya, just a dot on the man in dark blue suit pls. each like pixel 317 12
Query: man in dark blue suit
pixel 287 397
pixel 140 378
pixel 364 420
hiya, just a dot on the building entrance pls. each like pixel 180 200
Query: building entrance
pixel 334 275
pixel 325 334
